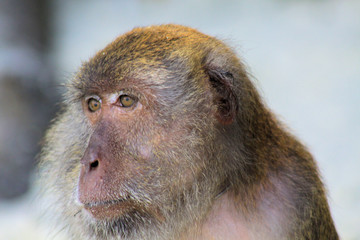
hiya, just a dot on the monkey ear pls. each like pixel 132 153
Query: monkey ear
pixel 224 95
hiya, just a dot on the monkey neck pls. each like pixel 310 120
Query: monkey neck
pixel 227 220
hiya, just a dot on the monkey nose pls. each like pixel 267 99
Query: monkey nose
pixel 90 162
pixel 90 166
pixel 94 164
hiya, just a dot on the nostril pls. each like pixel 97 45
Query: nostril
pixel 94 164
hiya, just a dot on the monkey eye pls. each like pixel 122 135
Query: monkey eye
pixel 94 104
pixel 126 101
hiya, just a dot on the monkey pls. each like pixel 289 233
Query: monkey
pixel 163 135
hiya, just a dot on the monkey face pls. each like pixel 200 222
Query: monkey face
pixel 145 149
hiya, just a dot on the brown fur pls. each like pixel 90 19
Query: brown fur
pixel 198 150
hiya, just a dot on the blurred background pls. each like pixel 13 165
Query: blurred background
pixel 304 56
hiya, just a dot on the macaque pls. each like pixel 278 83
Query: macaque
pixel 162 135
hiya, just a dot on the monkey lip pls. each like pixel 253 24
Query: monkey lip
pixel 106 210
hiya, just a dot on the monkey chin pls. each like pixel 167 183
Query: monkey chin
pixel 109 210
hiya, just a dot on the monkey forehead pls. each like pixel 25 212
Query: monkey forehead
pixel 137 74
pixel 155 55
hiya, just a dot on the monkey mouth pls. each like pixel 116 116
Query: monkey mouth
pixel 110 209
pixel 104 203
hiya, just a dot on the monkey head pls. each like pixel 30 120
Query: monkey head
pixel 139 141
